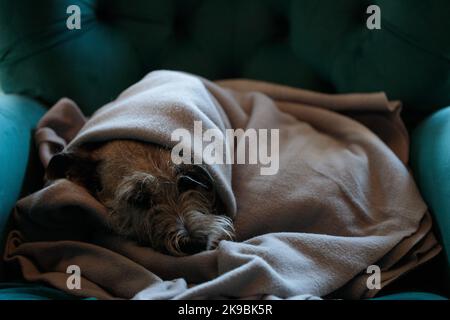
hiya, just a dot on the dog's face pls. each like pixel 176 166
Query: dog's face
pixel 172 208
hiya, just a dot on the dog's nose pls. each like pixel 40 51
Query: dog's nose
pixel 193 246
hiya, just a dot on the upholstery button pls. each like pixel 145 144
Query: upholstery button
pixel 180 26
pixel 281 28
pixel 183 19
pixel 104 11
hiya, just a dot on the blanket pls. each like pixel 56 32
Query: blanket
pixel 342 198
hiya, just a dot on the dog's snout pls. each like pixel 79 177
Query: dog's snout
pixel 193 246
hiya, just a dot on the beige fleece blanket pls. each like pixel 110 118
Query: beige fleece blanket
pixel 342 200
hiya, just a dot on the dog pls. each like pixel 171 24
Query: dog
pixel 172 208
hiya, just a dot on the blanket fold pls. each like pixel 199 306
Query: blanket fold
pixel 342 198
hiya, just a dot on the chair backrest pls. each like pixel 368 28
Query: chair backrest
pixel 323 45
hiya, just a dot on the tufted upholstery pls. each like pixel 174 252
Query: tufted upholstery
pixel 322 45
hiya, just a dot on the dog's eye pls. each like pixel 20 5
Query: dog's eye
pixel 194 179
pixel 140 199
pixel 186 183
pixel 140 194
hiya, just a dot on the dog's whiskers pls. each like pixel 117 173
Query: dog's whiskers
pixel 148 204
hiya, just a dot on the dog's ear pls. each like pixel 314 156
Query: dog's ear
pixel 79 167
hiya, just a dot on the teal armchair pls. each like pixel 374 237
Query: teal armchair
pixel 322 45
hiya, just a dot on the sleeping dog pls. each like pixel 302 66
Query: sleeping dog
pixel 171 208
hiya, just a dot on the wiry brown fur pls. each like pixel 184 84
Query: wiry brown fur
pixel 140 185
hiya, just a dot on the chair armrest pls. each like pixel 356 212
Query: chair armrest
pixel 18 117
pixel 411 296
pixel 430 161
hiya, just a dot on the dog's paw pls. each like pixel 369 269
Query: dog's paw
pixel 215 239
